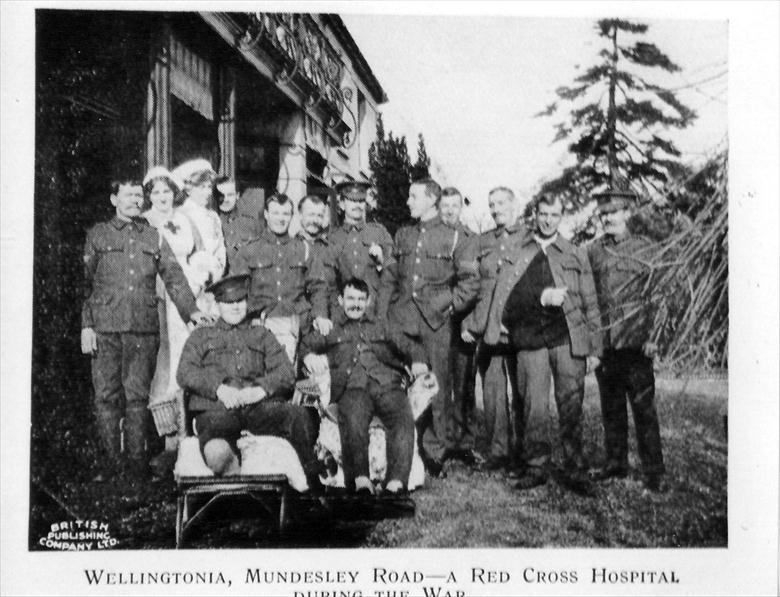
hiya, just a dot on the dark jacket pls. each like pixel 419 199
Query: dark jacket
pixel 349 245
pixel 239 229
pixel 348 338
pixel 283 272
pixel 237 355
pixel 322 277
pixel 435 276
pixel 622 274
pixel 491 248
pixel 570 268
pixel 121 261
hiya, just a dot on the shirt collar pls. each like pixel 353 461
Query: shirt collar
pixel 357 226
pixel 269 236
pixel 432 223
pixel 119 223
pixel 546 243
pixel 513 228
pixel 224 325
pixel 342 319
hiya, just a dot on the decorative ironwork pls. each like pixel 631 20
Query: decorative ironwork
pixel 303 49
pixel 305 56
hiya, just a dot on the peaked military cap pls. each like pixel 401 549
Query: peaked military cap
pixel 616 196
pixel 230 289
pixel 353 190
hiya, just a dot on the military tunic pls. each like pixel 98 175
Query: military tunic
pixel 349 258
pixel 322 276
pixel 240 356
pixel 436 274
pixel 366 358
pixel 122 260
pixel 238 229
pixel 622 276
pixel 283 271
pixel 463 370
pixel 496 362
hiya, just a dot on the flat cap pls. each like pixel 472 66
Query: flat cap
pixel 230 289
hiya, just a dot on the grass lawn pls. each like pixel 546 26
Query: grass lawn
pixel 477 509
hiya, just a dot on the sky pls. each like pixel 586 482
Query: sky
pixel 473 83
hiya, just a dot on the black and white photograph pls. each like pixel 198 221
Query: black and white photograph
pixel 390 299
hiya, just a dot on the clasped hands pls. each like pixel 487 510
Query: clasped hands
pixel 232 397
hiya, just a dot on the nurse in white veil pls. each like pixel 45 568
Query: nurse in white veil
pixel 210 257
pixel 162 192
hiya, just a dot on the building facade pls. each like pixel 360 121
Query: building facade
pixel 291 106
pixel 280 101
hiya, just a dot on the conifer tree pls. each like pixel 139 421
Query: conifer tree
pixel 617 118
pixel 391 168
pixel 420 169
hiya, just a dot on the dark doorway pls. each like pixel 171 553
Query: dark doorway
pixel 193 135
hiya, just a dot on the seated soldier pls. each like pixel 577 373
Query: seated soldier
pixel 367 360
pixel 238 377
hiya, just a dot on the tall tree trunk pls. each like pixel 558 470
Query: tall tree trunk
pixel 611 111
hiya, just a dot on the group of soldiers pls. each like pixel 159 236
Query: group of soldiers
pixel 519 304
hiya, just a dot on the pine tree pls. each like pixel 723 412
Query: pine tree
pixel 421 166
pixel 388 159
pixel 616 123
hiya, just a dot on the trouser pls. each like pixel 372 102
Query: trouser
pixel 497 367
pixel 628 372
pixel 357 406
pixel 267 417
pixel 122 370
pixel 463 422
pixel 436 439
pixel 534 370
pixel 286 330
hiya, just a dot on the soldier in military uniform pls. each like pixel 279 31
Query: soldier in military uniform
pixel 313 213
pixel 436 273
pixel 283 273
pixel 495 357
pixel 463 423
pixel 238 377
pixel 120 326
pixel 621 272
pixel 367 358
pixel 238 228
pixel 360 249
